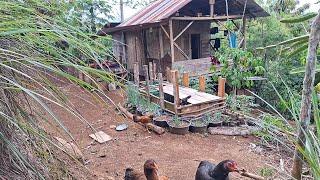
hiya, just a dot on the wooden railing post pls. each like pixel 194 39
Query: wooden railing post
pixel 136 74
pixel 202 83
pixel 155 71
pixel 185 79
pixel 161 93
pixel 151 72
pixel 168 74
pixel 146 74
pixel 221 87
pixel 175 83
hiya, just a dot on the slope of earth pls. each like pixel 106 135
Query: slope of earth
pixel 178 156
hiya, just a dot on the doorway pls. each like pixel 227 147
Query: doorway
pixel 195 46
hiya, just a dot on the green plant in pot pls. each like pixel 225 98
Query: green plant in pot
pixel 178 125
pixel 199 125
pixel 214 120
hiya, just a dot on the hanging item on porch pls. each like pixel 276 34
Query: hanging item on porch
pixel 214 30
pixel 217 43
pixel 233 40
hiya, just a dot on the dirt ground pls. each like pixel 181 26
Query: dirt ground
pixel 178 156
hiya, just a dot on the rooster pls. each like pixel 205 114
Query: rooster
pixel 208 171
pixel 143 119
pixel 150 172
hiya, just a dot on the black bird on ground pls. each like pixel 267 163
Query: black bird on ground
pixel 209 171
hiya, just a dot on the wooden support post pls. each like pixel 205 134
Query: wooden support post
pixel 151 72
pixel 136 73
pixel 161 93
pixel 221 87
pixel 175 44
pixel 161 44
pixel 211 2
pixel 168 74
pixel 171 40
pixel 155 71
pixel 146 74
pixel 183 31
pixel 202 83
pixel 175 83
pixel 185 79
pixel 244 29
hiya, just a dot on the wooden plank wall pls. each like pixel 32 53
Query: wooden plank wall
pixel 117 46
pixel 135 49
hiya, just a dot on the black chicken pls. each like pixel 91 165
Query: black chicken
pixel 208 171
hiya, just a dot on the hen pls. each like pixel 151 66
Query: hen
pixel 208 171
pixel 143 119
pixel 150 172
pixel 132 174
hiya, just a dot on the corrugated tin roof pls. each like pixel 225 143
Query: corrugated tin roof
pixel 155 12
pixel 163 9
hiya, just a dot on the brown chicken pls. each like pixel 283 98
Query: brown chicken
pixel 150 172
pixel 143 119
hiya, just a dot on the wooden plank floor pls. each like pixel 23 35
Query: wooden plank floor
pixel 197 97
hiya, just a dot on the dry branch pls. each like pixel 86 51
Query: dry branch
pixel 249 175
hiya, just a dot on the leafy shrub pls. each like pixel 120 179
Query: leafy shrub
pixel 238 65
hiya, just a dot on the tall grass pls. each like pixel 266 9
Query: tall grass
pixel 37 47
pixel 287 137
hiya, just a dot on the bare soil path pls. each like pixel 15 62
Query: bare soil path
pixel 177 156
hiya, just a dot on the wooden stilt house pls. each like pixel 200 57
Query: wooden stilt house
pixel 176 33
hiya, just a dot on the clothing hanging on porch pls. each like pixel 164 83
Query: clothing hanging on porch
pixel 233 40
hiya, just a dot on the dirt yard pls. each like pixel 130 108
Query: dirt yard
pixel 177 156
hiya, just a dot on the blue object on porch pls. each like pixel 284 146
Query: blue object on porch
pixel 233 40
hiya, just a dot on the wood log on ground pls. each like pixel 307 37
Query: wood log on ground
pixel 249 175
pixel 149 126
pixel 233 131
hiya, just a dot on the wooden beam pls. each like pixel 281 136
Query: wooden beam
pixel 192 18
pixel 221 87
pixel 154 71
pixel 161 93
pixel 185 79
pixel 211 3
pixel 175 83
pixel 175 44
pixel 124 59
pixel 136 73
pixel 161 44
pixel 146 74
pixel 168 74
pixel 202 83
pixel 244 29
pixel 171 40
pixel 183 30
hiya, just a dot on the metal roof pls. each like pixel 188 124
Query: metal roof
pixel 163 9
pixel 155 12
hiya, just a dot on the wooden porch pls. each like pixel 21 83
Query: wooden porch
pixel 177 99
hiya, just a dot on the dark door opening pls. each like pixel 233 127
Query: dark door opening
pixel 195 46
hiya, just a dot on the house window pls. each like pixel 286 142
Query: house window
pixel 195 46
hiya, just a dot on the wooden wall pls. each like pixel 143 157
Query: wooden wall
pixel 144 45
pixel 184 41
pixel 135 49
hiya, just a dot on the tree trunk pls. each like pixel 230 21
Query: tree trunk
pixel 306 103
